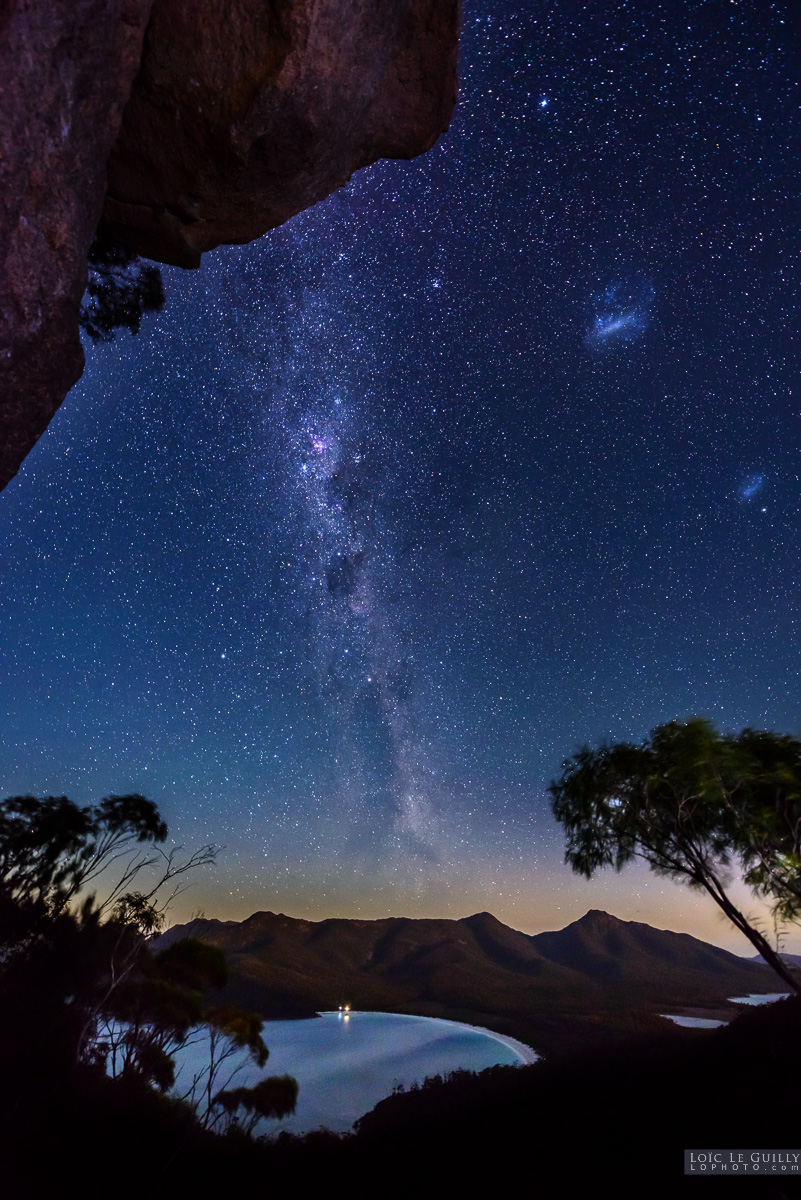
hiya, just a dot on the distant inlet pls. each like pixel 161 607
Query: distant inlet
pixel 697 1022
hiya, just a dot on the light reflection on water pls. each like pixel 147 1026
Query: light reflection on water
pixel 346 1063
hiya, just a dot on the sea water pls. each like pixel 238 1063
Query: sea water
pixel 709 1023
pixel 346 1062
pixel 760 998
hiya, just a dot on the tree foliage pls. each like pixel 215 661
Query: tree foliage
pixel 84 984
pixel 243 1108
pixel 694 804
pixel 120 289
pixel 767 829
pixel 50 850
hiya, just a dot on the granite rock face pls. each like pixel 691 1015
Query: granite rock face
pixel 244 113
pixel 237 115
pixel 66 68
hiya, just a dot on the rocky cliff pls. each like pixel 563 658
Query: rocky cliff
pixel 66 69
pixel 187 124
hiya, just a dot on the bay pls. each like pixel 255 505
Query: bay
pixel 346 1062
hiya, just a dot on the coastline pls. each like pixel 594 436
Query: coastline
pixel 525 1053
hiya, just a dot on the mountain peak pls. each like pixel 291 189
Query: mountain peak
pixel 598 916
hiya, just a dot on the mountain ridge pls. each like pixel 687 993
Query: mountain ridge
pixel 597 973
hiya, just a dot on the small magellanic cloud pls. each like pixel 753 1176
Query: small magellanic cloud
pixel 751 487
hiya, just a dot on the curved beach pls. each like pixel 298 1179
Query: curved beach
pixel 524 1052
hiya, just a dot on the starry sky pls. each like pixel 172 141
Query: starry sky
pixel 492 454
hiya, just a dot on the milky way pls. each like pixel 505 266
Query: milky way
pixel 338 466
pixel 492 454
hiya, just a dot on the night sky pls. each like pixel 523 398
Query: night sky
pixel 491 454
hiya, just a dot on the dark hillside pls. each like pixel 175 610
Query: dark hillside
pixel 619 1118
pixel 612 1120
pixel 612 952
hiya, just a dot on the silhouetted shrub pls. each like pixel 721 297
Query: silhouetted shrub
pixel 120 289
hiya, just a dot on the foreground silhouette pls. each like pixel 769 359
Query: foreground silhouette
pixel 84 991
pixel 615 1114
pixel 610 1120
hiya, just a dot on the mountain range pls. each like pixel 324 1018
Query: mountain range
pixel 597 972
pixel 792 960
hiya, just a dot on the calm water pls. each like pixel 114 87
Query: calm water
pixel 345 1064
pixel 760 998
pixel 694 1022
pixel 708 1023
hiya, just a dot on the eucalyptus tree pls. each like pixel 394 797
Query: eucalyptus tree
pixel 697 806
